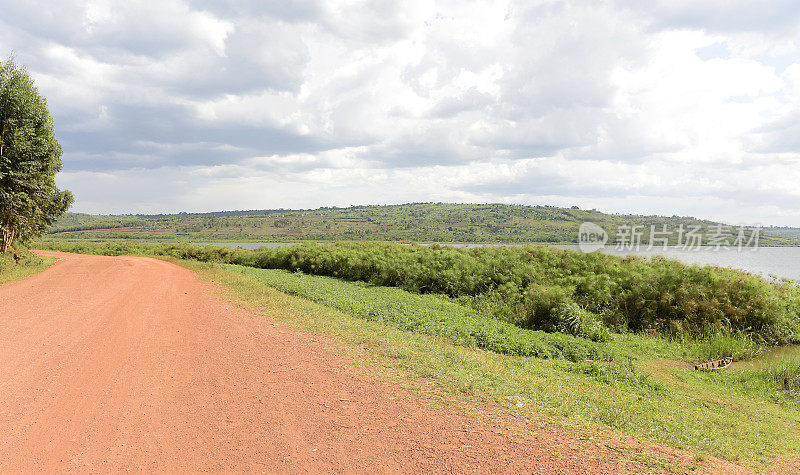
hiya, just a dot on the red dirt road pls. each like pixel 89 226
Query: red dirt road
pixel 129 363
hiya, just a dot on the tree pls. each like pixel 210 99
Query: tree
pixel 30 157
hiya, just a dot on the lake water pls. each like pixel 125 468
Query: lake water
pixel 767 261
pixel 245 245
pixel 776 261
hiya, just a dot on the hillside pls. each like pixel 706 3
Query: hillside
pixel 426 222
pixel 783 232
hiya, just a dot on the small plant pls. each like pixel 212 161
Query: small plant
pixel 574 320
pixel 618 374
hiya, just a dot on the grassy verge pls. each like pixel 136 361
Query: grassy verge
pixel 429 315
pixel 642 395
pixel 10 270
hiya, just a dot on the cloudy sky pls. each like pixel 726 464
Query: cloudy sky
pixel 688 107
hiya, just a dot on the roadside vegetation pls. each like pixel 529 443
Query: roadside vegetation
pixel 542 288
pixel 430 315
pixel 20 264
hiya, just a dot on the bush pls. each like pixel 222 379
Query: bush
pixel 542 306
pixel 526 285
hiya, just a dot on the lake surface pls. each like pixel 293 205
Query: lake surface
pixel 767 261
pixel 245 245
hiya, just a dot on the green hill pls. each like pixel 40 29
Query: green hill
pixel 425 222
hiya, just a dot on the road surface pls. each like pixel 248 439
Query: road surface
pixel 132 363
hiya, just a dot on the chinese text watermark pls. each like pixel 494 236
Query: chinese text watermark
pixel 634 238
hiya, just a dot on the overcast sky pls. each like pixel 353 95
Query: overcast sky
pixel 687 107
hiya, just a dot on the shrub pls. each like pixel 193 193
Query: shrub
pixel 542 304
pixel 526 285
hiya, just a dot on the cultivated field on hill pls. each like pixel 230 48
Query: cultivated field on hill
pixel 427 222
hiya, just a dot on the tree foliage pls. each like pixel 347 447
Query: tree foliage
pixel 30 157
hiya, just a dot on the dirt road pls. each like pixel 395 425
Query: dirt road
pixel 126 363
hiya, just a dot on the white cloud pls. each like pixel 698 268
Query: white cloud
pixel 661 107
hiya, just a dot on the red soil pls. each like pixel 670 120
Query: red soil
pixel 129 363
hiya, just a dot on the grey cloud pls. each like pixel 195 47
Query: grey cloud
pixel 294 11
pixel 184 140
pixel 370 21
pixel 156 49
pixel 543 136
pixel 538 182
pixel 436 143
pixel 367 23
pixel 54 21
pixel 153 31
pixel 778 17
pixel 555 90
pixel 571 69
pixel 258 57
pixel 541 81
pixel 294 166
pixel 781 136
pixel 764 197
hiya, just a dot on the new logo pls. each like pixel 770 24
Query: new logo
pixel 591 237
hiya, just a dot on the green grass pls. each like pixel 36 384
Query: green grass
pixel 429 315
pixel 785 375
pixel 775 376
pixel 29 264
pixel 715 347
pixel 645 392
